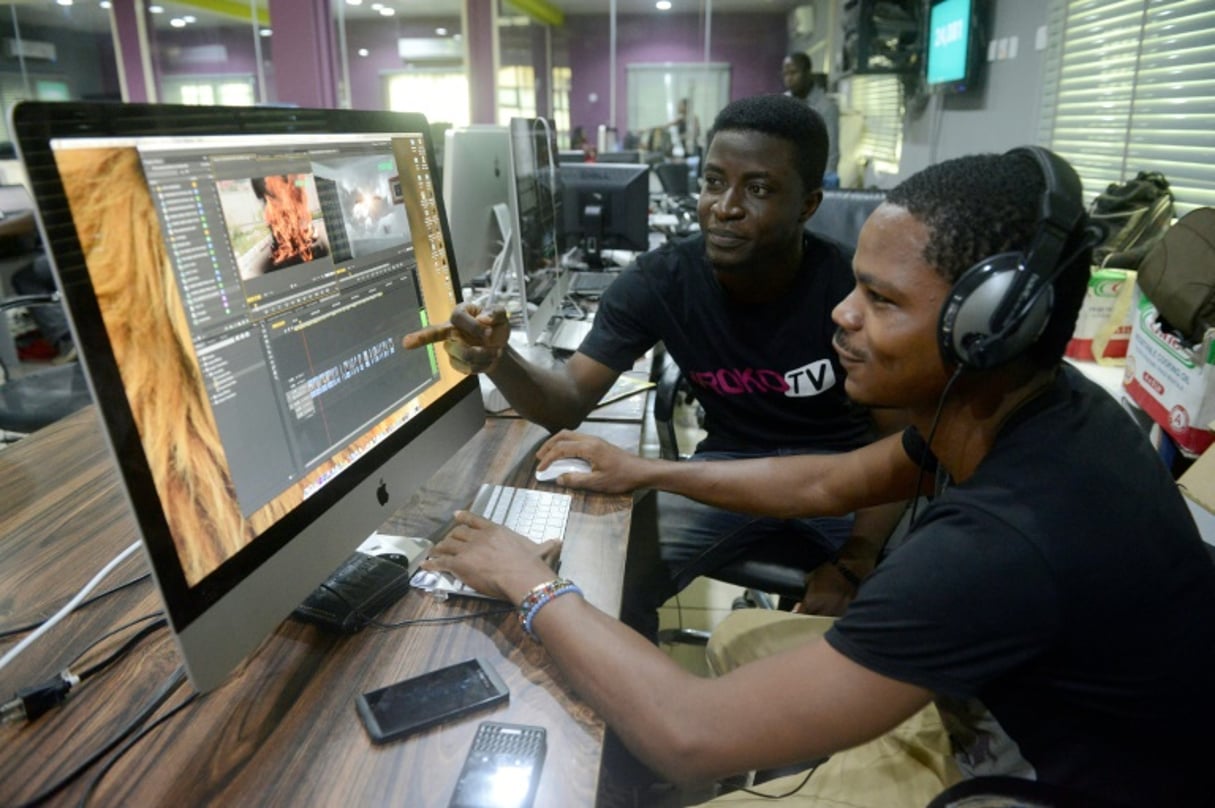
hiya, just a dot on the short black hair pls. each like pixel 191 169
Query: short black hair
pixel 800 59
pixel 984 204
pixel 784 117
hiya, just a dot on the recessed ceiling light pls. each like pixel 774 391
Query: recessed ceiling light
pixel 190 18
pixel 364 52
pixel 376 6
pixel 64 2
pixel 440 32
pixel 156 9
pixel 387 12
pixel 354 2
pixel 265 32
pixel 105 3
pixel 177 22
pixel 663 5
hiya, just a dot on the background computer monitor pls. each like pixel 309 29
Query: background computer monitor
pixel 606 207
pixel 571 156
pixel 239 281
pixel 626 156
pixel 476 176
pixel 956 49
pixel 537 208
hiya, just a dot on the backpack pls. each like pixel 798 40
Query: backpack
pixel 1134 214
pixel 1178 274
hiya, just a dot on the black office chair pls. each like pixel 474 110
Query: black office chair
pixel 842 213
pixel 674 178
pixel 39 398
pixel 772 567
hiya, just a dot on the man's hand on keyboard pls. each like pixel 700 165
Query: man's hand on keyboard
pixel 474 337
pixel 613 470
pixel 492 559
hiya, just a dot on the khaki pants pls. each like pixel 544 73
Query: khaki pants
pixel 907 766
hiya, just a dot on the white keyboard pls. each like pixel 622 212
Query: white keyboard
pixel 539 515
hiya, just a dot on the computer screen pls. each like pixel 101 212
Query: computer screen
pixel 951 64
pixel 607 206
pixel 626 156
pixel 537 209
pixel 239 281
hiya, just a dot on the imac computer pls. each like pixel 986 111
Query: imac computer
pixel 607 206
pixel 476 178
pixel 239 281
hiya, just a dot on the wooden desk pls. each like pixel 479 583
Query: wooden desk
pixel 283 729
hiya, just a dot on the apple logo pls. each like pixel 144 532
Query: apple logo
pixel 381 493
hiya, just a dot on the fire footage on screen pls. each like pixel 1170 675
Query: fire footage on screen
pixel 325 259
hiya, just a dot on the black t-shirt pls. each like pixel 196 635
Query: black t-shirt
pixel 765 374
pixel 1065 587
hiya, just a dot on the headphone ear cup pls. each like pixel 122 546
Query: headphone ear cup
pixel 967 333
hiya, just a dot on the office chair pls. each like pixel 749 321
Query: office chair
pixel 674 178
pixel 843 212
pixel 770 567
pixel 39 398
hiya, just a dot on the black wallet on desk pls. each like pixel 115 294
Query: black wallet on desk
pixel 362 587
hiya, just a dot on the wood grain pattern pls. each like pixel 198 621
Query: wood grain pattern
pixel 283 729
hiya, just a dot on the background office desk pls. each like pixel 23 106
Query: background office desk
pixel 283 729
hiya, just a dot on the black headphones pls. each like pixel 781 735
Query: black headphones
pixel 1000 306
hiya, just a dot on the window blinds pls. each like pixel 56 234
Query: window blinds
pixel 1130 88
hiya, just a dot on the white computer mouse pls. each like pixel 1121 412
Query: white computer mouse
pixel 562 465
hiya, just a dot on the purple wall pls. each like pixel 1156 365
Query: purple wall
pixel 735 39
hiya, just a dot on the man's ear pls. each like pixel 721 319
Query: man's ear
pixel 810 203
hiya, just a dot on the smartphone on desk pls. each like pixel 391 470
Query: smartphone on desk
pixel 430 698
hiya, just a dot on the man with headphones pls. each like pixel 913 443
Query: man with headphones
pixel 1053 603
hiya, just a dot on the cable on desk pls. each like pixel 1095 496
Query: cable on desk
pixel 109 764
pixel 160 697
pixel 29 703
pixel 68 607
pixel 5 633
pixel 416 621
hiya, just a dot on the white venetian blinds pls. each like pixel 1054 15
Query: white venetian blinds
pixel 1131 87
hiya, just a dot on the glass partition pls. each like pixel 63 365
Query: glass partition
pixel 211 53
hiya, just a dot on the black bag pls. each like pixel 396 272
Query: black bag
pixel 1135 214
pixel 1178 274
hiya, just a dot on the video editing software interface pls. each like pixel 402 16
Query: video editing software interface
pixel 299 262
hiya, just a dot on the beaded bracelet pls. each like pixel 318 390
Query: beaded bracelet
pixel 541 594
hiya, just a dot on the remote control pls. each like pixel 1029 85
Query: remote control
pixel 502 769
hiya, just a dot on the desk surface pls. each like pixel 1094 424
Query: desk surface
pixel 283 729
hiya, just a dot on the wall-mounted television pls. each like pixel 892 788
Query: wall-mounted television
pixel 955 43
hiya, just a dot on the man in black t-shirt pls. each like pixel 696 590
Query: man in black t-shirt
pixel 744 310
pixel 1053 603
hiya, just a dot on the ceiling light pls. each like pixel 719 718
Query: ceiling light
pixel 64 2
pixel 190 18
pixel 364 52
pixel 177 22
pixel 156 9
pixel 105 3
pixel 663 5
pixel 387 12
pixel 264 32
pixel 440 32
pixel 354 2
pixel 376 6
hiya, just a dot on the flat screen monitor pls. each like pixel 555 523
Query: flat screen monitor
pixel 239 281
pixel 627 156
pixel 476 177
pixel 571 156
pixel 538 203
pixel 607 206
pixel 951 63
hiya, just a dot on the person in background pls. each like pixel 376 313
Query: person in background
pixel 811 88
pixel 744 310
pixel 1049 618
pixel 685 132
